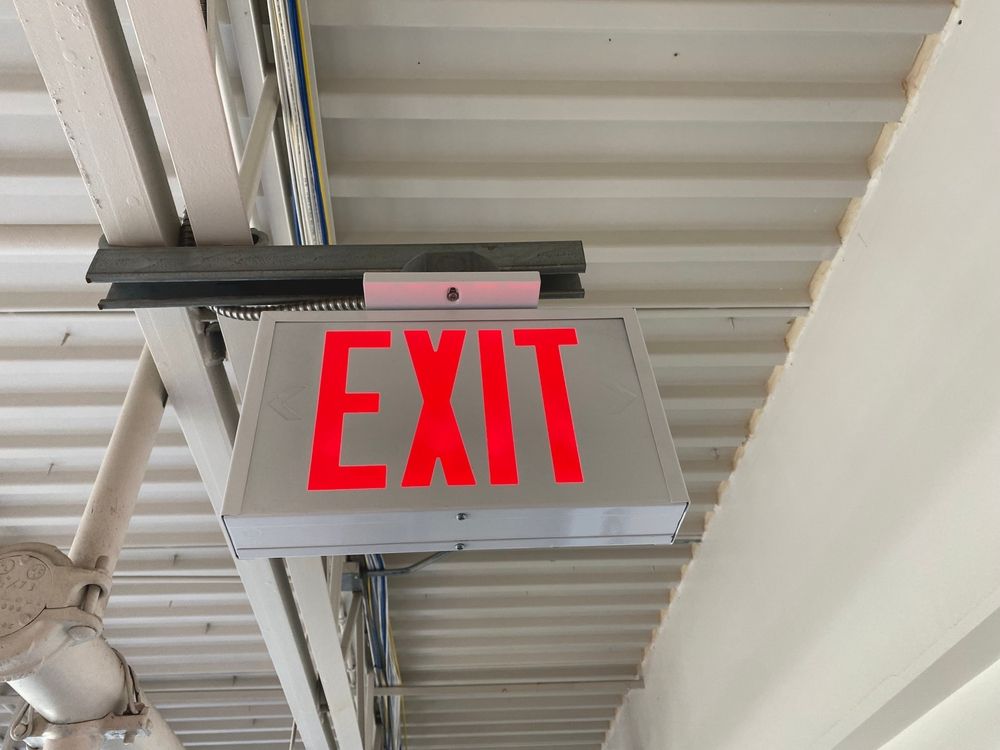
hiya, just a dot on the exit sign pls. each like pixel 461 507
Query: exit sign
pixel 422 430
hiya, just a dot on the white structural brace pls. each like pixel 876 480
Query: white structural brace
pixel 312 594
pixel 252 162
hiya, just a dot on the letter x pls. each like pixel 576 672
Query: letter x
pixel 437 435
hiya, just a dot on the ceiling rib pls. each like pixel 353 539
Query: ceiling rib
pixel 760 16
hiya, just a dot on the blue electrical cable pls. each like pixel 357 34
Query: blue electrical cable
pixel 383 656
pixel 293 14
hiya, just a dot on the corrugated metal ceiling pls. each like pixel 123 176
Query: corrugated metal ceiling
pixel 704 151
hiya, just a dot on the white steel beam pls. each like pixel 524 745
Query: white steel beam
pixel 270 595
pixel 199 392
pixel 319 616
pixel 102 111
pixel 181 69
pixel 194 122
pixel 112 141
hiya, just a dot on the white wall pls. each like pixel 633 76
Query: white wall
pixel 859 542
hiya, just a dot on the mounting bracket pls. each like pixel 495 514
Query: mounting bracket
pixel 143 277
pixel 447 291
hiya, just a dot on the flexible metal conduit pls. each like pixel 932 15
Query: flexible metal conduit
pixel 252 312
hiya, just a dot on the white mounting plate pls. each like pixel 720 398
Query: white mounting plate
pixel 433 291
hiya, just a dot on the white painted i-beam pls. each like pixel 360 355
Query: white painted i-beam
pixel 127 183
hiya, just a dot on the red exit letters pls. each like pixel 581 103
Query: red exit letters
pixel 437 436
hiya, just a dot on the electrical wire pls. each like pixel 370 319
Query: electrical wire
pixel 382 648
pixel 313 222
pixel 313 117
pixel 299 44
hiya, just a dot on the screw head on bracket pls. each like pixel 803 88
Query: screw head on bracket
pixel 459 547
pixel 452 294
pixel 461 516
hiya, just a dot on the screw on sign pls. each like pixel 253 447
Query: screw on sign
pixel 437 436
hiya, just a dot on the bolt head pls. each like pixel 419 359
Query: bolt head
pixel 461 516
pixel 81 633
pixel 459 547
pixel 452 294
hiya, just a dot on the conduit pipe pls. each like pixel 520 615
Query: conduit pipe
pixel 99 539
pixel 78 678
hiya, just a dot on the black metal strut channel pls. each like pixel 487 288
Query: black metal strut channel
pixel 261 274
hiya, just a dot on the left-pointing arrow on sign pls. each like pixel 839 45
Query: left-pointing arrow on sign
pixel 282 403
